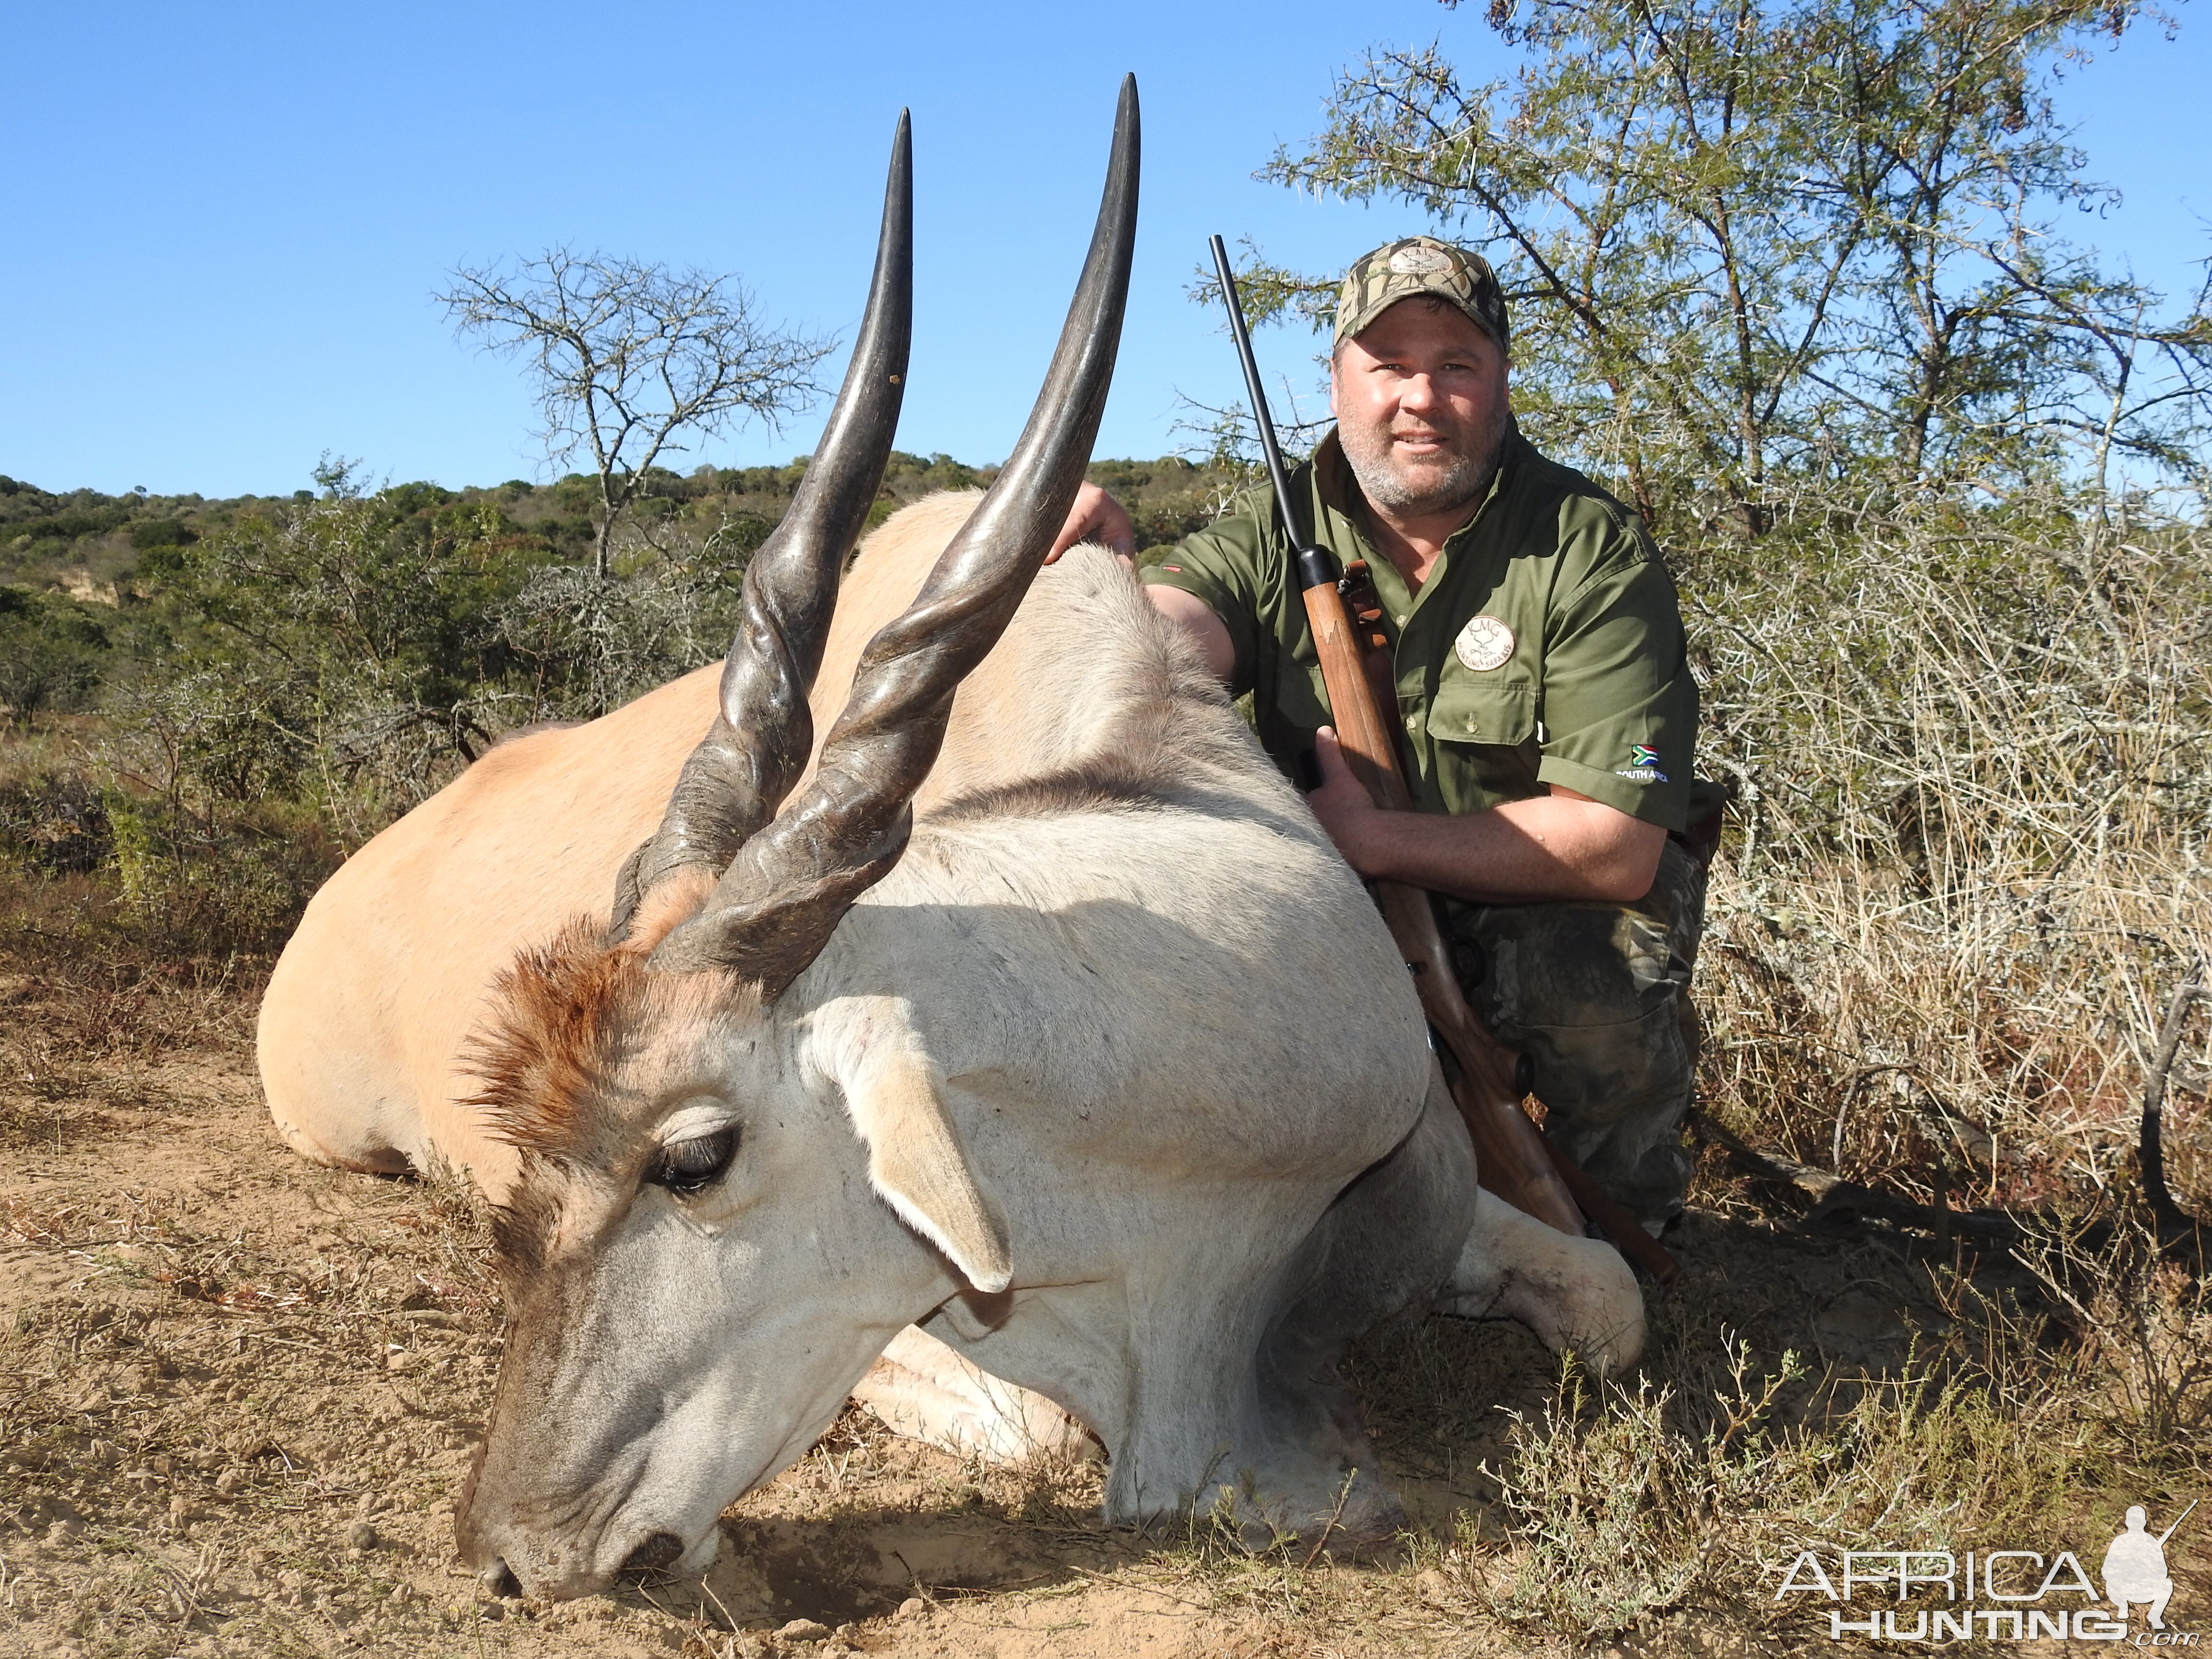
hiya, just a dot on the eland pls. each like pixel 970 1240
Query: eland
pixel 1031 1007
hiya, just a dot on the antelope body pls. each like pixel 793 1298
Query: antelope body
pixel 1079 1047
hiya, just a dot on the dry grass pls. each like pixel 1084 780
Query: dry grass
pixel 1973 765
pixel 1974 769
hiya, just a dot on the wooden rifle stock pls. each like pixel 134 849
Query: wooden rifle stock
pixel 1512 1159
pixel 1509 1153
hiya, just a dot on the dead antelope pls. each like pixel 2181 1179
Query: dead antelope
pixel 1040 1014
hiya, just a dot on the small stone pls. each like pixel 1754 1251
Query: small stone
pixel 1432 1586
pixel 229 1482
pixel 362 1536
pixel 803 1630
pixel 62 1532
pixel 399 1360
pixel 912 1608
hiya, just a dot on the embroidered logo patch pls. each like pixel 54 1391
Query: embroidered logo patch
pixel 1419 261
pixel 1483 644
pixel 1642 755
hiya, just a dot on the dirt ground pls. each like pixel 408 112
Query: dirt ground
pixel 237 1395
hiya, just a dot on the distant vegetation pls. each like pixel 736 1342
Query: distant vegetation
pixel 84 543
pixel 214 699
pixel 94 587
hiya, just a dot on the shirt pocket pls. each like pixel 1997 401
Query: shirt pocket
pixel 1487 712
pixel 1482 743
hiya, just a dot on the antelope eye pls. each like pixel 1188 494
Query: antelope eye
pixel 688 1167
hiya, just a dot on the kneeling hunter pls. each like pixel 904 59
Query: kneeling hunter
pixel 1546 697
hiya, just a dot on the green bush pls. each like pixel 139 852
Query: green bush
pixel 52 651
pixel 162 532
pixel 224 877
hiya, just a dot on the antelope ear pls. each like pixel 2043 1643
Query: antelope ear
pixel 915 1162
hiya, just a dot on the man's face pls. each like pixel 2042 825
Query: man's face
pixel 1420 406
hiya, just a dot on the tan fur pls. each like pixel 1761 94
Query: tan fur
pixel 923 1389
pixel 1144 1119
pixel 364 1029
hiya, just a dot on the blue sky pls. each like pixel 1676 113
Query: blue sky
pixel 226 221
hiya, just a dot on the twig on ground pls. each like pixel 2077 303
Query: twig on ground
pixel 1834 1198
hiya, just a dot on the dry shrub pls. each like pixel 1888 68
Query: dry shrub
pixel 125 943
pixel 1973 765
pixel 1973 760
pixel 120 873
pixel 1628 1500
pixel 2136 1354
pixel 2035 1404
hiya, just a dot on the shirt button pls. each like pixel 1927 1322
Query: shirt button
pixel 1413 724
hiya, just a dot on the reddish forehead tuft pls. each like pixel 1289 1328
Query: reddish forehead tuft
pixel 562 1019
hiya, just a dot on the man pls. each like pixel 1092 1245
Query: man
pixel 1547 704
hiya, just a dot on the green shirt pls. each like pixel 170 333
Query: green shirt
pixel 1545 646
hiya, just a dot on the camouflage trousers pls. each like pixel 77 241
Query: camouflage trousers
pixel 1598 996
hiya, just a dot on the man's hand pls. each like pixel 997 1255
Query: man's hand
pixel 1559 845
pixel 1342 803
pixel 1095 517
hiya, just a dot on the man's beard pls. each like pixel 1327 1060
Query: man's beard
pixel 1438 484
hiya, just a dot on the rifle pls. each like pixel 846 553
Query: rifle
pixel 2177 1520
pixel 1487 1079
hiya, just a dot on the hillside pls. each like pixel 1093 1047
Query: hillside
pixel 89 544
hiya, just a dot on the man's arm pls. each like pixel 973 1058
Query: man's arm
pixel 1559 845
pixel 1097 517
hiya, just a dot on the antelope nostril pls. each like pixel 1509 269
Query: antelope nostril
pixel 500 1582
pixel 658 1550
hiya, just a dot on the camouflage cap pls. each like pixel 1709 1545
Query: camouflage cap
pixel 1416 266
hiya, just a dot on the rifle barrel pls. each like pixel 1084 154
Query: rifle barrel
pixel 1315 565
pixel 2177 1520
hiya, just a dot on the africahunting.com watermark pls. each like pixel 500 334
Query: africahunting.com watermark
pixel 2005 1594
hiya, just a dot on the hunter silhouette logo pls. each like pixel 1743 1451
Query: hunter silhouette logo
pixel 2134 1567
pixel 2009 1594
